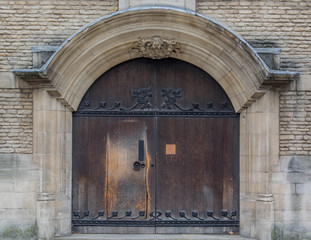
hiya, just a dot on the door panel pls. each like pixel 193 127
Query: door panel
pixel 199 176
pixel 106 187
pixel 192 91
pixel 88 183
pixel 155 149
pixel 126 191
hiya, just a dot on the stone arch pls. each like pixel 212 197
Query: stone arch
pixel 97 47
pixel 62 82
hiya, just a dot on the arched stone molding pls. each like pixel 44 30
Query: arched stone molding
pixel 111 40
pixel 61 83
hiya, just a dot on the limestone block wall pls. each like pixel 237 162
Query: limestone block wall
pixel 23 25
pixel 29 23
pixel 291 181
pixel 295 123
pixel 16 121
pixel 19 182
pixel 283 24
pixel 19 176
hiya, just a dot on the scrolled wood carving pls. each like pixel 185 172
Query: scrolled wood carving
pixel 157 47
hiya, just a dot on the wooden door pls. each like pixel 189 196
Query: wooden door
pixel 155 149
pixel 112 181
pixel 196 173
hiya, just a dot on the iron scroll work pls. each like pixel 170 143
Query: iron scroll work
pixel 157 218
pixel 169 103
pixel 143 105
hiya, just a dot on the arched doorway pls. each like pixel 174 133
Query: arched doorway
pixel 62 82
pixel 155 149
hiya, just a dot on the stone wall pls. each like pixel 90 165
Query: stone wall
pixel 19 184
pixel 19 175
pixel 29 23
pixel 23 25
pixel 295 123
pixel 15 121
pixel 282 24
pixel 291 182
pixel 286 25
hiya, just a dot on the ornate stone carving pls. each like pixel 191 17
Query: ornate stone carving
pixel 157 47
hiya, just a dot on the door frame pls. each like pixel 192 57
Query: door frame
pixel 229 59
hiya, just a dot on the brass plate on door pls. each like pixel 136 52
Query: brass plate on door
pixel 170 149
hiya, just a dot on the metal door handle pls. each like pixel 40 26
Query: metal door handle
pixel 141 150
pixel 137 166
pixel 141 156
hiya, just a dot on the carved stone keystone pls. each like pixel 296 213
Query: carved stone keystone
pixel 157 47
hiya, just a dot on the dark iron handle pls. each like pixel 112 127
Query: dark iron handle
pixel 141 150
pixel 137 166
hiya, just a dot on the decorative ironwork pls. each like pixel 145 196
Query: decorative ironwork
pixel 100 214
pixel 161 223
pixel 142 96
pixel 157 47
pixel 183 215
pixel 86 104
pixel 211 214
pixel 78 215
pixel 143 106
pixel 79 220
pixel 155 215
pixel 140 214
pixel 114 214
pixel 116 105
pixel 195 214
pixel 232 214
pixel 196 106
pixel 127 214
pixel 169 215
pixel 102 104
pixel 171 95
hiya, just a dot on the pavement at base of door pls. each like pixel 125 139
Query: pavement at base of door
pixel 152 237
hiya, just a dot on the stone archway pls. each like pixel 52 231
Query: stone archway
pixel 143 32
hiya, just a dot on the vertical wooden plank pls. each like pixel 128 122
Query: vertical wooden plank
pixel 89 164
pixel 126 187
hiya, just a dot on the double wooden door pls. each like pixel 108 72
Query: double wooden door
pixel 155 149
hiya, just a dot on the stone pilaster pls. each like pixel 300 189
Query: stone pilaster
pixel 259 141
pixel 52 150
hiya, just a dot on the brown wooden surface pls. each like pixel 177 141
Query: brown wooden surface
pixel 126 190
pixel 201 175
pixel 192 162
pixel 89 164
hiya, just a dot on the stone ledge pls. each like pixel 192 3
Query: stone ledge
pixel 152 237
